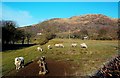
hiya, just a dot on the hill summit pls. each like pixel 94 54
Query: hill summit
pixel 91 24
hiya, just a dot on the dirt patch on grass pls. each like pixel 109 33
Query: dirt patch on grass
pixel 55 68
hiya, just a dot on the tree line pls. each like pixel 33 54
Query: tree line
pixel 103 33
pixel 11 34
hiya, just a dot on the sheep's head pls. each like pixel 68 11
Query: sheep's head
pixel 17 59
pixel 42 58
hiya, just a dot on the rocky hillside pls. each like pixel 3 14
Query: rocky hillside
pixel 91 24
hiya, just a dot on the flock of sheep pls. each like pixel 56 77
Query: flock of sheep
pixel 83 45
pixel 19 61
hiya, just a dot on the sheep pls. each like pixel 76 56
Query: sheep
pixel 83 45
pixel 19 62
pixel 85 38
pixel 49 47
pixel 59 45
pixel 43 58
pixel 56 45
pixel 74 45
pixel 39 49
pixel 42 65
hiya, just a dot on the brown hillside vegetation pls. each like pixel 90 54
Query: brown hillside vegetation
pixel 94 24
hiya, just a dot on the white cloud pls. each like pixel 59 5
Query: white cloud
pixel 21 17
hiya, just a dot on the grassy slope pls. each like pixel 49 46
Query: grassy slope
pixel 0 64
pixel 86 60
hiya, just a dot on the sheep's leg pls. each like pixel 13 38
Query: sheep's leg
pixel 16 67
pixel 22 64
pixel 19 67
pixel 43 70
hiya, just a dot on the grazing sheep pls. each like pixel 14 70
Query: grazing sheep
pixel 83 45
pixel 19 62
pixel 49 47
pixel 59 45
pixel 85 38
pixel 39 49
pixel 74 45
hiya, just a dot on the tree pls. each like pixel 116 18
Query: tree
pixel 102 32
pixel 118 33
pixel 28 36
pixel 8 31
pixel 50 36
pixel 10 34
pixel 20 36
pixel 84 32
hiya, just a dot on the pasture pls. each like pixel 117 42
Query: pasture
pixel 85 61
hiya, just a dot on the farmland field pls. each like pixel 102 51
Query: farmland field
pixel 86 61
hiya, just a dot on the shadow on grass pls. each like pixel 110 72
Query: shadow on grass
pixel 15 46
pixel 28 63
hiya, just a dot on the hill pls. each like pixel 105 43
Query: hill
pixel 92 25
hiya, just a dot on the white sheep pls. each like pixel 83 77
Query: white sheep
pixel 73 44
pixel 85 38
pixel 19 62
pixel 56 45
pixel 39 49
pixel 59 45
pixel 83 45
pixel 49 47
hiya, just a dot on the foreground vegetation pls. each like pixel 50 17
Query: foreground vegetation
pixel 86 60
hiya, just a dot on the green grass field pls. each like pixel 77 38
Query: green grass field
pixel 86 61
